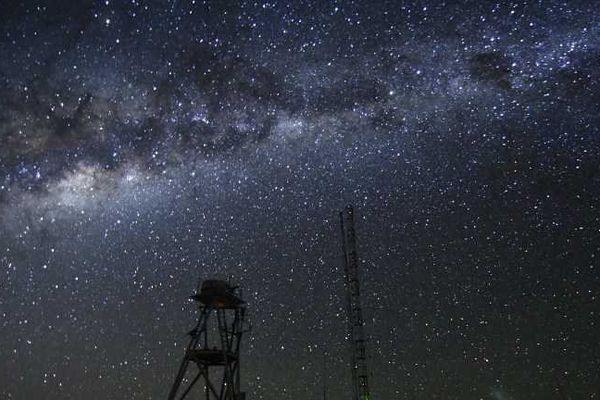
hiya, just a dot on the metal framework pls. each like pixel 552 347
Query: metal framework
pixel 360 379
pixel 214 346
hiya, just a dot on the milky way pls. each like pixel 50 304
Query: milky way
pixel 146 145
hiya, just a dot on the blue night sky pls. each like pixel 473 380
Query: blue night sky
pixel 147 144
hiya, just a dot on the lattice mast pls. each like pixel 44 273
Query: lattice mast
pixel 360 379
pixel 211 364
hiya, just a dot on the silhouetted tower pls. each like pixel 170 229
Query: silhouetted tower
pixel 360 378
pixel 211 362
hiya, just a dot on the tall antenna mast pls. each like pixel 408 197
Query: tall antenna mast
pixel 324 376
pixel 360 380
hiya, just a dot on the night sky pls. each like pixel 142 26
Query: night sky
pixel 147 144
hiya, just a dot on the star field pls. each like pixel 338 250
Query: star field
pixel 147 144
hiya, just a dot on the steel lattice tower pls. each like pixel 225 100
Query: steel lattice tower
pixel 360 379
pixel 214 346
